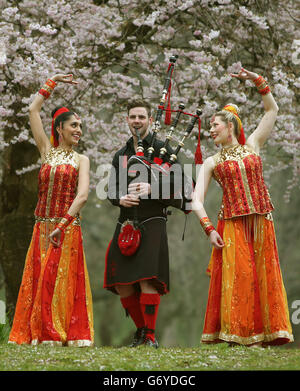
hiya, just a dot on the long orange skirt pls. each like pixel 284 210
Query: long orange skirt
pixel 55 303
pixel 247 300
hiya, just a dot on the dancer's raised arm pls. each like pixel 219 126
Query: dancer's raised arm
pixel 40 137
pixel 266 125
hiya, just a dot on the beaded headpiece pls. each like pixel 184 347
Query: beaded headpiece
pixel 53 137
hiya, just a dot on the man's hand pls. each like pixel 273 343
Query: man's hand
pixel 139 189
pixel 129 200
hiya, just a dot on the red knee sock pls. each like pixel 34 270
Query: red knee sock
pixel 133 308
pixel 149 304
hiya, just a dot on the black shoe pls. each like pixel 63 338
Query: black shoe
pixel 138 338
pixel 149 342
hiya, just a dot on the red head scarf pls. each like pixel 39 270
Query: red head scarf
pixel 53 137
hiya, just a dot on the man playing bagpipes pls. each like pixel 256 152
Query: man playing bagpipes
pixel 137 258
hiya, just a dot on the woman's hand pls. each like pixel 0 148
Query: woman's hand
pixel 64 78
pixel 216 240
pixel 245 75
pixel 55 237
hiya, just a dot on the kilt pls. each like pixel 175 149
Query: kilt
pixel 150 262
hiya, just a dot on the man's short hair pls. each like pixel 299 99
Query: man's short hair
pixel 139 103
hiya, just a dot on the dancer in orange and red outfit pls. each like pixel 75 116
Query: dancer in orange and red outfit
pixel 55 304
pixel 247 301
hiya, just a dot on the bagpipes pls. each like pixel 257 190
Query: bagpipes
pixel 130 235
pixel 159 163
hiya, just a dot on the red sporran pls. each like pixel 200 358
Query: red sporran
pixel 129 238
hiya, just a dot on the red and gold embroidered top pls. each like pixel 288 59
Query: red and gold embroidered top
pixel 239 171
pixel 58 180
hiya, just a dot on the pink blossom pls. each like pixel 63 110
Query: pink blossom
pixel 120 50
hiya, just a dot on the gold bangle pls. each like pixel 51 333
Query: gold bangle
pixel 51 83
pixel 47 88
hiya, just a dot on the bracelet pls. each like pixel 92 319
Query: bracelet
pixel 64 222
pixel 51 83
pixel 265 91
pixel 207 225
pixel 47 88
pixel 261 85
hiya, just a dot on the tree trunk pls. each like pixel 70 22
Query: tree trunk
pixel 18 197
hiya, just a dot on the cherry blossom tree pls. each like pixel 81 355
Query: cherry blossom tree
pixel 119 50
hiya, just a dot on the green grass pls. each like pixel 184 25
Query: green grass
pixel 203 358
pixel 4 332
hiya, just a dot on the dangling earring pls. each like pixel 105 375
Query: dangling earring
pixel 229 138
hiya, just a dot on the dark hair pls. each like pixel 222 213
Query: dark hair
pixel 60 119
pixel 139 103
